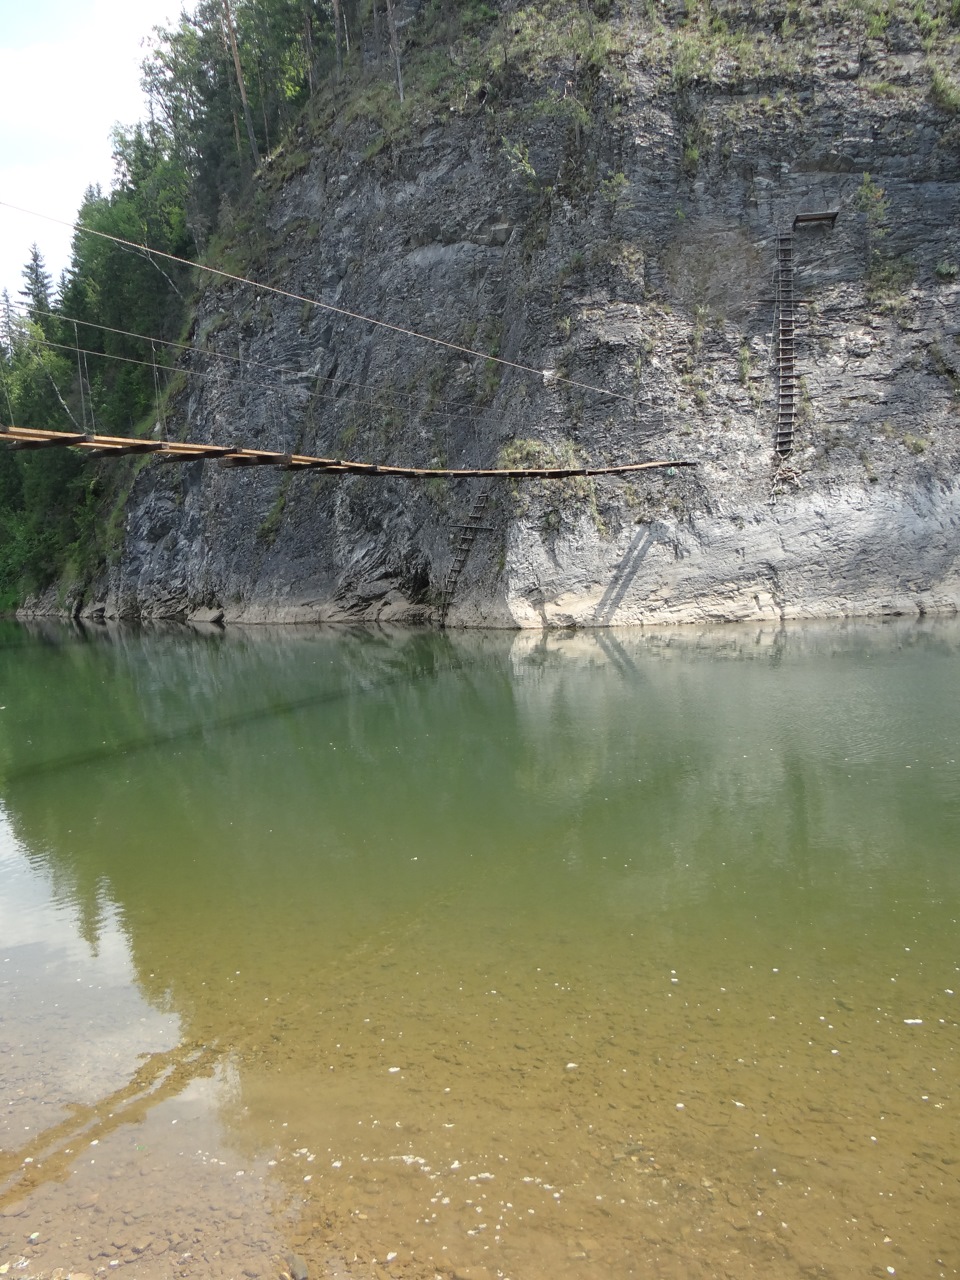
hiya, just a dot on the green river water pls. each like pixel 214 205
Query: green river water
pixel 494 955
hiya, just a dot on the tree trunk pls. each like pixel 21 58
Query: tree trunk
pixel 338 35
pixel 248 120
pixel 308 43
pixel 377 37
pixel 395 45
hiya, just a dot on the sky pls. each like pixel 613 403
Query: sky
pixel 69 72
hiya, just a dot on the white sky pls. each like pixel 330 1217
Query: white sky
pixel 69 71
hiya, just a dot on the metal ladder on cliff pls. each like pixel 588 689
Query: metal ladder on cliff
pixel 468 535
pixel 786 348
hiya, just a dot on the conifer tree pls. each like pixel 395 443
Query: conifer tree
pixel 36 294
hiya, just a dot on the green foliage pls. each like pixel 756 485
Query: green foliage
pixel 70 362
pixel 691 158
pixel 944 90
pixel 566 109
pixel 881 88
pixel 615 191
pixel 284 46
pixel 270 527
pixel 721 43
pixel 113 287
pixel 560 499
pixel 888 279
pixel 707 49
pixel 871 199
pixel 522 455
pixel 517 156
pixel 555 31
pixel 945 368
pixel 877 23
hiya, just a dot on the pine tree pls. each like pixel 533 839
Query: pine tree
pixel 37 293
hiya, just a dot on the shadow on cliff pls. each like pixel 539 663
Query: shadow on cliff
pixel 625 573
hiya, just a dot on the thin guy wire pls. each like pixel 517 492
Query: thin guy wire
pixel 326 306
pixel 318 395
pixel 83 405
pixel 239 361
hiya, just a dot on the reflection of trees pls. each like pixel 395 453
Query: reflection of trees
pixel 233 793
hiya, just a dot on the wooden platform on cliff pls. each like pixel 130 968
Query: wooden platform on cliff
pixel 805 219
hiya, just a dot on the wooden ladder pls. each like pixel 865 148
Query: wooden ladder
pixel 468 535
pixel 786 348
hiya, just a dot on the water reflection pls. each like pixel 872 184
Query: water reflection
pixel 606 928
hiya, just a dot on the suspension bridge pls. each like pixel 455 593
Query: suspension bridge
pixel 227 455
pixel 234 455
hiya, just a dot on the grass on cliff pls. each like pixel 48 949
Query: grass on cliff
pixel 556 501
pixel 721 43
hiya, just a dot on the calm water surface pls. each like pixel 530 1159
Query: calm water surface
pixel 488 956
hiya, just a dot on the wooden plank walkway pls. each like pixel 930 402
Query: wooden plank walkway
pixel 234 456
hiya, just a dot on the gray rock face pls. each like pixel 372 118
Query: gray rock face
pixel 631 257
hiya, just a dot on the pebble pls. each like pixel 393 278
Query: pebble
pixel 296 1267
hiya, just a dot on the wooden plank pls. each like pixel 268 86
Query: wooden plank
pixel 233 456
pixel 829 215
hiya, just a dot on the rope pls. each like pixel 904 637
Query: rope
pixel 241 362
pixel 138 444
pixel 548 375
pixel 83 405
pixel 197 373
pixel 6 396
pixel 156 391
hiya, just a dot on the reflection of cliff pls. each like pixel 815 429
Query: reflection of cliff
pixel 763 747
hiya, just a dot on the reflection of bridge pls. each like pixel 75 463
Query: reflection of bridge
pixel 229 455
pixel 50 1154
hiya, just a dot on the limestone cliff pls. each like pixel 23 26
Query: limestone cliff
pixel 595 192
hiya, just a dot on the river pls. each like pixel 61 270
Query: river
pixel 541 957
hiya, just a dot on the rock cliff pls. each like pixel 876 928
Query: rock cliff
pixel 595 193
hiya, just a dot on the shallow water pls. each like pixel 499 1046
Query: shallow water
pixel 627 954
